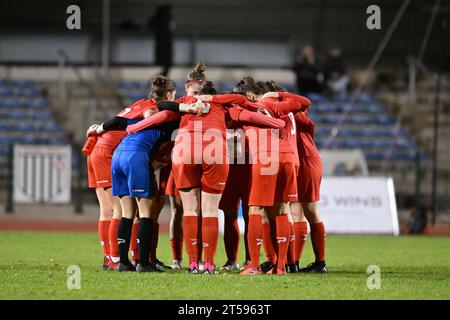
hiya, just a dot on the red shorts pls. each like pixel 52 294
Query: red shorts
pixel 309 179
pixel 202 165
pixel 99 167
pixel 169 185
pixel 237 187
pixel 278 186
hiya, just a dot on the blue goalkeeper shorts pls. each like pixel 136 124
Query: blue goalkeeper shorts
pixel 132 174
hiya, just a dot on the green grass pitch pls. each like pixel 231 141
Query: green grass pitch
pixel 34 266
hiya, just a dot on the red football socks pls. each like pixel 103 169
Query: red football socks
pixel 199 237
pixel 283 235
pixel 190 233
pixel 177 249
pixel 269 247
pixel 291 248
pixel 254 239
pixel 113 245
pixel 210 237
pixel 301 235
pixel 103 235
pixel 318 237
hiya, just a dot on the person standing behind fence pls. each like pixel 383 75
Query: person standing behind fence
pixel 163 24
pixel 309 76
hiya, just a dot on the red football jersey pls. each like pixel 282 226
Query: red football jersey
pixel 214 119
pixel 305 138
pixel 136 110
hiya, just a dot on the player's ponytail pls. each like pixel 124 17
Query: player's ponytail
pixel 198 74
pixel 161 85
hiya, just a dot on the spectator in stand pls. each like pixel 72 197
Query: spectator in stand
pixel 163 24
pixel 336 78
pixel 309 77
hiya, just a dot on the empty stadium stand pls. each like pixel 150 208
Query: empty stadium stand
pixel 25 117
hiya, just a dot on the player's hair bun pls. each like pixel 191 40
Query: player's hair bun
pixel 159 81
pixel 160 86
pixel 198 72
pixel 200 67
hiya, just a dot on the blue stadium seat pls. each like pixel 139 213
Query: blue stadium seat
pixel 389 132
pixel 347 132
pixel 51 127
pixel 11 103
pixel 43 115
pixel 4 139
pixel 341 98
pixel 22 82
pixel 136 95
pixel 314 117
pixel 29 139
pixel 6 92
pixel 128 85
pixel 409 155
pixel 369 132
pixel 319 142
pixel 331 119
pixel 347 144
pixel 227 86
pixel 145 86
pixel 315 97
pixel 289 87
pixel 322 132
pixel 38 103
pixel 325 143
pixel 180 87
pixel 375 109
pixel 381 144
pixel 24 126
pixel 326 107
pixel 358 119
pixel 58 140
pixel 17 115
pixel 4 150
pixel 29 92
pixel 405 143
pixel 385 120
pixel 372 155
pixel 5 127
pixel 365 98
